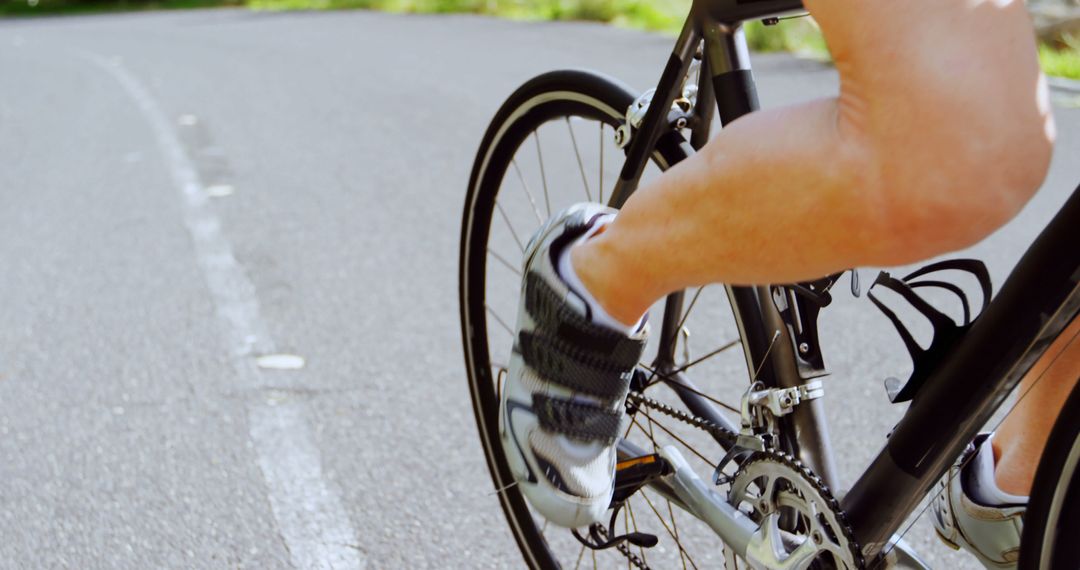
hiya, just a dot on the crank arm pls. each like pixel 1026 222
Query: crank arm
pixel 736 530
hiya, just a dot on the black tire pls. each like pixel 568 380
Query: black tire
pixel 549 97
pixel 1051 538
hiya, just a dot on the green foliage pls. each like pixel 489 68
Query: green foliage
pixel 309 4
pixel 656 15
pixel 1064 62
pixel 798 35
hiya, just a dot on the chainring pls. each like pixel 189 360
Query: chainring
pixel 803 499
pixel 794 506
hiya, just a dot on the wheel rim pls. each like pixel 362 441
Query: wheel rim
pixel 589 162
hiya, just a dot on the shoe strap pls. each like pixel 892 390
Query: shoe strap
pixel 555 318
pixel 573 367
pixel 578 420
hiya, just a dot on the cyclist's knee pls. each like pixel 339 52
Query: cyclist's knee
pixel 954 122
pixel 950 172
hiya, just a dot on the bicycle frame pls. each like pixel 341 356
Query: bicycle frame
pixel 1040 298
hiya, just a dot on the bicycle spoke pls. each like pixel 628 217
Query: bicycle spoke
pixel 525 187
pixel 693 363
pixel 633 522
pixel 672 380
pixel 686 314
pixel 500 321
pixel 675 528
pixel 543 177
pixel 506 219
pixel 581 555
pixel 634 424
pixel 652 436
pixel 508 265
pixel 675 437
pixel 670 533
pixel 601 163
pixel 581 165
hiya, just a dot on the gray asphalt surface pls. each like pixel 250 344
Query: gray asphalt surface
pixel 133 433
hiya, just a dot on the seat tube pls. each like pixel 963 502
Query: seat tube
pixel 729 63
pixel 736 95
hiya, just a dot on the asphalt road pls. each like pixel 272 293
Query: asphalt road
pixel 183 192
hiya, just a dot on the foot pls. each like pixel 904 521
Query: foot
pixel 562 408
pixel 973 514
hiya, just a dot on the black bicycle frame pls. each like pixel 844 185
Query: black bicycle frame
pixel 1036 303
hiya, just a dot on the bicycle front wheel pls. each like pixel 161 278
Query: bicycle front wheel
pixel 553 143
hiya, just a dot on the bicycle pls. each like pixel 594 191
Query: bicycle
pixel 769 502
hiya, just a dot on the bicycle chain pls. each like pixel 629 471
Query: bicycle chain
pixel 700 423
pixel 639 399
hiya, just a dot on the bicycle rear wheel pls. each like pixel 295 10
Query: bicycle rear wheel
pixel 1052 521
pixel 514 187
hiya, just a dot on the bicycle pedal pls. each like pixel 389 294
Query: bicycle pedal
pixel 634 473
pixel 946 331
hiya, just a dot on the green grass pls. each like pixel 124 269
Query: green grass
pixel 1062 62
pixel 800 35
pixel 652 15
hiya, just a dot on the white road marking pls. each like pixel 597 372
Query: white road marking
pixel 219 190
pixel 280 361
pixel 309 514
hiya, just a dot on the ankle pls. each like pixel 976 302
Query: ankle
pixel 1014 471
pixel 618 290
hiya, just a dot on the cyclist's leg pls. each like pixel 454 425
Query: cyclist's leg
pixel 941 132
pixel 1019 442
pixel 982 503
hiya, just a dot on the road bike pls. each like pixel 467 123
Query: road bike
pixel 726 457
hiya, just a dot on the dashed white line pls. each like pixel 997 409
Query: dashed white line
pixel 308 511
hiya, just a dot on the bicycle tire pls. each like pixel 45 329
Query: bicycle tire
pixel 545 98
pixel 1052 521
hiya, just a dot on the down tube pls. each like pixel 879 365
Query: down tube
pixel 1041 296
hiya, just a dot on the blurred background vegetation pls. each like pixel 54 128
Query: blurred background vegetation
pixel 1059 44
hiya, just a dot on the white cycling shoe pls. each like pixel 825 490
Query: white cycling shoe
pixel 562 408
pixel 991 533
